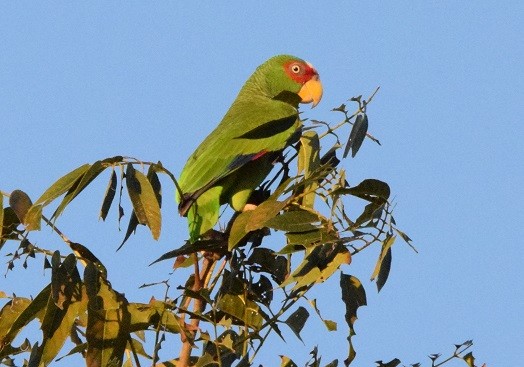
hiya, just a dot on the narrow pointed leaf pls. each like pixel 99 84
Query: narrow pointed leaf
pixel 62 185
pixel 131 227
pixel 308 163
pixel 35 309
pixel 144 200
pixel 383 264
pixel 109 196
pixel 357 135
pixel 80 184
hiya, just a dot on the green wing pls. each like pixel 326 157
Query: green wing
pixel 245 132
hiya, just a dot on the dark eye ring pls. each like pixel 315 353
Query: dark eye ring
pixel 295 69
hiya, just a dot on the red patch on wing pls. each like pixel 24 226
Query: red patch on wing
pixel 300 72
pixel 258 155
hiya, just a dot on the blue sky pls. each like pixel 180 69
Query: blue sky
pixel 85 81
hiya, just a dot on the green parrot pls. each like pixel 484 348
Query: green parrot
pixel 236 157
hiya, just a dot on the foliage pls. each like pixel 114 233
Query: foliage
pixel 241 290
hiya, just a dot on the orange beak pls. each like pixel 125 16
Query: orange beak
pixel 311 91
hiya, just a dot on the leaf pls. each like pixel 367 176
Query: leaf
pixel 33 217
pixel 252 220
pixel 238 229
pixel 369 189
pixel 294 221
pixel 80 184
pixel 383 264
pixel 242 309
pixel 109 196
pixel 65 304
pixel 353 296
pixel 393 363
pixel 9 225
pixel 28 312
pixel 309 162
pixel 131 227
pixel 20 202
pixel 62 185
pixel 265 260
pixel 264 212
pixel 330 325
pixel 156 313
pixel 370 212
pixel 297 320
pixel 8 314
pixel 308 238
pixel 108 321
pixel 357 135
pixel 144 200
pixel 287 362
pixel 318 265
pixel 469 359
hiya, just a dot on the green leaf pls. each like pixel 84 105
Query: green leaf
pixel 80 184
pixel 252 220
pixel 144 200
pixel 33 218
pixel 318 265
pixel 294 221
pixel 20 202
pixel 137 347
pixel 156 314
pixel 287 362
pixel 469 359
pixel 242 309
pixel 25 314
pixel 353 296
pixel 316 236
pixel 383 264
pixel 308 163
pixel 108 321
pixel 297 320
pixel 238 229
pixel 262 213
pixel 8 314
pixel 108 196
pixel 62 185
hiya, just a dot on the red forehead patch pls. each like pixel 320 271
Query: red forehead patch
pixel 300 72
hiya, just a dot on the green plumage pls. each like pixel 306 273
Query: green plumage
pixel 236 157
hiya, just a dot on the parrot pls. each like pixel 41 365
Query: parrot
pixel 236 157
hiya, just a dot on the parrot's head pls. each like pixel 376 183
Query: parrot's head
pixel 290 79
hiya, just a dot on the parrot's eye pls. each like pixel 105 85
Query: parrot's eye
pixel 296 68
